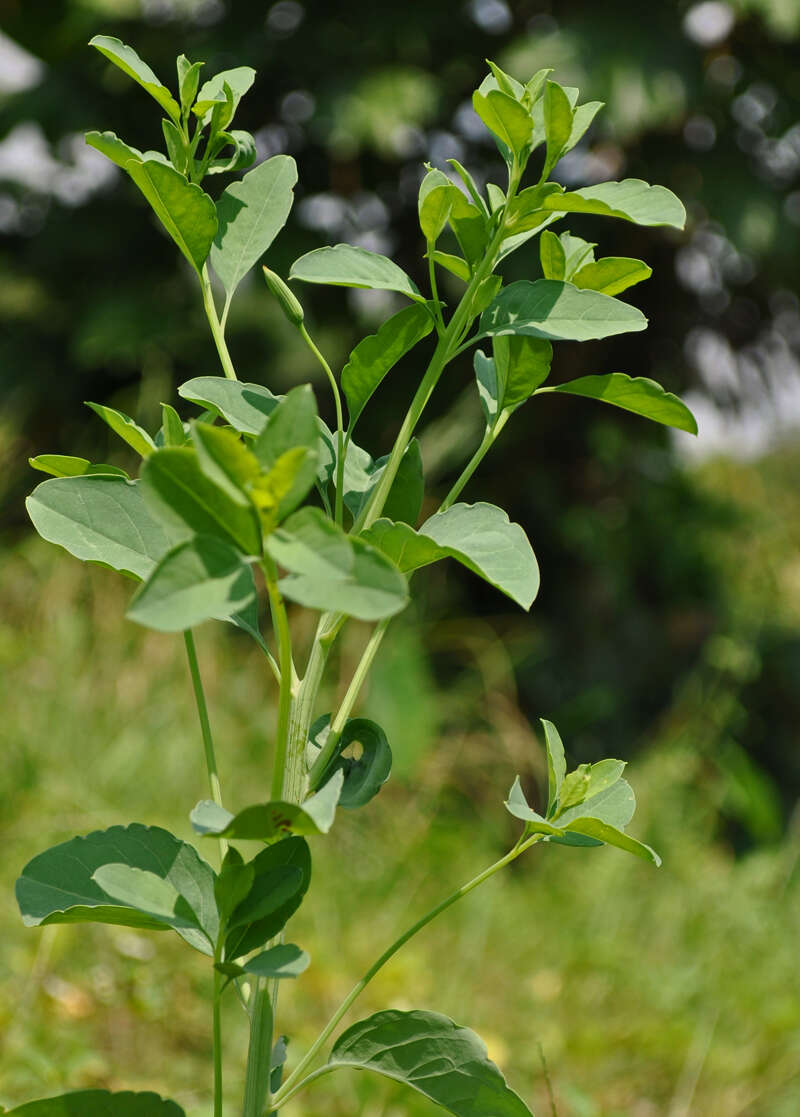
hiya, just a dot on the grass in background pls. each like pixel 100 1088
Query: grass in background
pixel 649 992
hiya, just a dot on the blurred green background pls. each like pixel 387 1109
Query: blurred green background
pixel 667 630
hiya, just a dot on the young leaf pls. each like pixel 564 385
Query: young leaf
pixel 65 465
pixel 99 1103
pixel 479 536
pixel 184 210
pixel 632 200
pixel 201 579
pixel 581 119
pixel 238 80
pixel 552 256
pixel 471 185
pixel 445 1063
pixel 115 149
pixel 556 764
pixel 292 426
pixel 245 406
pixel 344 265
pixel 233 883
pixel 577 253
pixel 284 960
pixel 459 268
pixel 363 755
pixel 558 311
pixel 251 213
pixel 177 148
pixel 522 363
pixel 505 81
pixel 266 822
pixel 600 831
pixel 506 119
pixel 557 123
pixel 130 63
pixel 373 357
pixel 433 204
pixel 329 570
pixel 404 501
pixel 102 519
pixel 225 459
pixel 244 153
pixel 638 394
pixel 61 885
pixel 282 869
pixel 469 225
pixel 181 492
pixel 125 427
pixel 612 274
pixel 172 431
pixel 188 81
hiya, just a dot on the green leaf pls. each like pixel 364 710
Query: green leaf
pixel 404 501
pixel 245 406
pixel 293 425
pixel 201 579
pixel 526 212
pixel 557 123
pixel 471 186
pixel 614 805
pixel 506 119
pixel 632 200
pixel 454 264
pixel 577 252
pixel 552 256
pixel 125 427
pixel 182 493
pixel 329 570
pixel 102 519
pixel 188 80
pixel 130 63
pixel 251 213
pixel 172 431
pixel 445 1063
pixel 184 210
pixel 99 1103
pixel 363 755
pixel 581 119
pixel 285 960
pixel 282 873
pixel 556 763
pixel 244 153
pixel 558 311
pixel 115 149
pixel 522 363
pixel 266 822
pixel 469 225
pixel 177 148
pixel 373 357
pixel 479 536
pixel 505 81
pixel 612 274
pixel 602 832
pixel 225 459
pixel 344 265
pixel 638 394
pixel 233 883
pixel 62 885
pixel 238 80
pixel 65 465
pixel 433 204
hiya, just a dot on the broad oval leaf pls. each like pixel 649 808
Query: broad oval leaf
pixel 559 312
pixel 245 406
pixel 175 483
pixel 185 211
pixel 479 536
pixel 435 1056
pixel 632 200
pixel 102 519
pixel 61 885
pixel 638 394
pixel 344 265
pixel 373 357
pixel 201 579
pixel 251 213
pixel 612 274
pixel 330 570
pixel 99 1103
pixel 130 63
pixel 266 822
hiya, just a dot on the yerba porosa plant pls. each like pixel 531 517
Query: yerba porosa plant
pixel 254 486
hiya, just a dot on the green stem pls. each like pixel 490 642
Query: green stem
pixel 487 441
pixel 440 327
pixel 283 638
pixel 295 1082
pixel 217 1029
pixel 342 714
pixel 205 727
pixel 337 399
pixel 256 1089
pixel 217 331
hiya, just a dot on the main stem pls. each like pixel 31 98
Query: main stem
pixel 217 1031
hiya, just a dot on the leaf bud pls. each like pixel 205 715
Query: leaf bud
pixel 290 304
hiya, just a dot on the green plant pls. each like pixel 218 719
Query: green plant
pixel 258 484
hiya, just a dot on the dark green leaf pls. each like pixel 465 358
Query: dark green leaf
pixel 102 519
pixel 404 501
pixel 233 883
pixel 373 357
pixel 637 394
pixel 272 868
pixel 62 886
pixel 245 406
pixel 125 427
pixel 225 459
pixel 130 63
pixel 344 265
pixel 176 485
pixel 559 311
pixel 329 570
pixel 285 960
pixel 251 213
pixel 172 430
pixel 480 536
pixel 612 274
pixel 266 822
pixel 202 579
pixel 363 755
pixel 184 210
pixel 632 200
pixel 99 1103
pixel 433 1055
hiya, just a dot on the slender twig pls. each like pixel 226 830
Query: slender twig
pixel 280 623
pixel 437 313
pixel 487 442
pixel 217 1032
pixel 337 400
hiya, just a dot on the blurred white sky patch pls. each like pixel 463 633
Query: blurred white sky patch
pixel 19 70
pixel 27 161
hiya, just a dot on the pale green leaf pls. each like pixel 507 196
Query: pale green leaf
pixel 115 149
pixel 238 80
pixel 373 357
pixel 251 213
pixel 65 465
pixel 454 264
pixel 559 312
pixel 245 406
pixel 602 832
pixel 433 204
pixel 188 80
pixel 632 200
pixel 612 274
pixel 130 63
pixel 558 123
pixel 344 265
pixel 638 394
pixel 266 822
pixel 126 428
pixel 292 426
pixel 552 256
pixel 556 763
pixel 506 119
